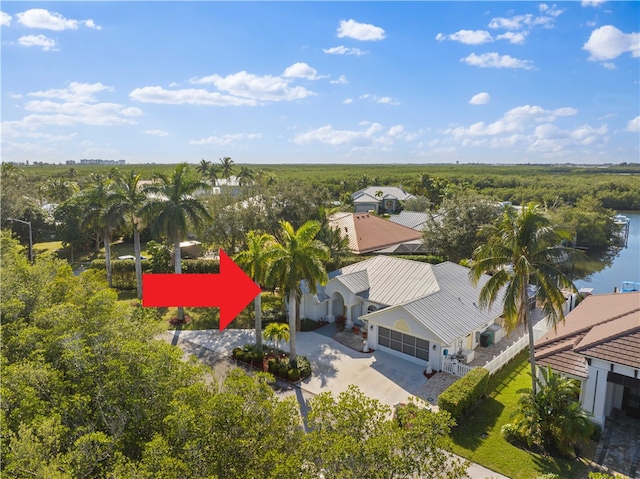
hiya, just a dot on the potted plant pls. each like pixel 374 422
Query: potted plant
pixel 341 320
pixel 356 329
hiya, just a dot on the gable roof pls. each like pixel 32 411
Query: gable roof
pixel 369 233
pixel 604 326
pixel 411 219
pixel 388 192
pixel 440 297
pixel 391 280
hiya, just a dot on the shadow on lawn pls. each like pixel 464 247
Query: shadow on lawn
pixel 475 427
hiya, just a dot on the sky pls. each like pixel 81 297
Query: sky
pixel 321 82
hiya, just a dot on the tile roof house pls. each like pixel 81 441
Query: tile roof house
pixel 368 233
pixel 415 310
pixel 379 199
pixel 599 345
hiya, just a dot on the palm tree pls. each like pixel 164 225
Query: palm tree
pixel 253 263
pixel 172 206
pixel 552 417
pixel 226 167
pixel 99 215
pixel 128 202
pixel 203 168
pixel 523 250
pixel 276 332
pixel 59 190
pixel 293 257
pixel 245 177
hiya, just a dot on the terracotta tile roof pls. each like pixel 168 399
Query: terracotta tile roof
pixel 617 341
pixel 605 326
pixel 369 233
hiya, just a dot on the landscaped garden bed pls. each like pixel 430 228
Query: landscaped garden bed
pixel 274 361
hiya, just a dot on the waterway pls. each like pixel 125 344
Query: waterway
pixel 622 264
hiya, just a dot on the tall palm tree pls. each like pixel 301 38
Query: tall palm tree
pixel 523 250
pixel 98 215
pixel 245 177
pixel 128 201
pixel 226 167
pixel 173 207
pixel 292 257
pixel 59 190
pixel 203 168
pixel 213 174
pixel 253 262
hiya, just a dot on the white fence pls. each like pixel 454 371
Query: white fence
pixel 459 369
pixel 455 367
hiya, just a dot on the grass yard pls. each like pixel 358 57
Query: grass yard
pixel 478 437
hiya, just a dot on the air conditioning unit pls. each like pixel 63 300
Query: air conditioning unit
pixel 467 355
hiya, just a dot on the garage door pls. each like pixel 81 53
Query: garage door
pixel 405 343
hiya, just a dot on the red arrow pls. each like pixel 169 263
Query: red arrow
pixel 231 290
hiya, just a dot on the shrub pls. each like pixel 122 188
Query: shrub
pixel 258 356
pixel 293 374
pixel 462 395
pixel 283 369
pixel 601 475
pixel 235 351
pixel 551 475
pixel 272 365
pixel 512 435
pixel 341 322
pixel 304 366
pixel 240 355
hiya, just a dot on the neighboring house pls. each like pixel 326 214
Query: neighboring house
pixel 417 311
pixel 599 345
pixel 368 233
pixel 411 219
pixel 379 199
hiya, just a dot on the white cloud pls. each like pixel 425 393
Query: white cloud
pixel 347 101
pixel 371 136
pixel 5 19
pixel 14 95
pixel 386 100
pixel 226 140
pixel 514 120
pixel 342 80
pixel 47 44
pixel 495 60
pixel 264 88
pixel 156 132
pixel 342 50
pixel 468 37
pixel 592 3
pixel 301 70
pixel 480 99
pixel 41 18
pixel 552 10
pixel 360 31
pixel 609 65
pixel 173 84
pixel 74 92
pixel 187 96
pixel 607 43
pixel 516 38
pixel 633 125
pixel 520 22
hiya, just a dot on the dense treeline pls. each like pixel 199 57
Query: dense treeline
pixel 88 392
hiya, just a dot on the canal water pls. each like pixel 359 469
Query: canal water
pixel 623 264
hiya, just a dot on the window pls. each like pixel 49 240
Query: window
pixel 404 343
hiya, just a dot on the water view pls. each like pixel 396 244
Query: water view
pixel 622 264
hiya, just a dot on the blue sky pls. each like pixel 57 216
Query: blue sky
pixel 326 82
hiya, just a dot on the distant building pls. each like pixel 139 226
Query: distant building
pixel 379 199
pixel 101 162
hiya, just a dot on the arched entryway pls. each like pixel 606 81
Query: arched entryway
pixel 338 308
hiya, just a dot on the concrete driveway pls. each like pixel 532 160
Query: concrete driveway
pixel 379 375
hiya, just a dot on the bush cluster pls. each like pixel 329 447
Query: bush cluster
pixel 280 367
pixel 249 354
pixel 123 272
pixel 462 395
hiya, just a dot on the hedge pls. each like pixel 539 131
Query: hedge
pixel 463 394
pixel 123 272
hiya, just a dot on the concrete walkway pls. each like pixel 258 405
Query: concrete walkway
pixel 379 375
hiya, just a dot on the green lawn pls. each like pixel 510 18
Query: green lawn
pixel 478 436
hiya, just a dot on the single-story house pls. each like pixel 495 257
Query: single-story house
pixel 368 233
pixel 599 345
pixel 418 311
pixel 379 199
